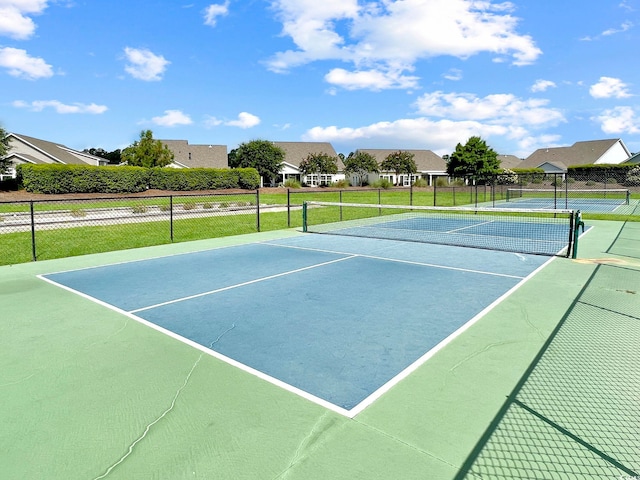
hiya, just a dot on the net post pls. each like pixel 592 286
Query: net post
pixel 304 216
pixel 577 224
pixel 628 197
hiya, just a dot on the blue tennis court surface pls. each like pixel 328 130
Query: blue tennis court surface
pixel 335 319
pixel 582 204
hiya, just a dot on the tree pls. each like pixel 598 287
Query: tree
pixel 263 155
pixel 474 159
pixel 399 162
pixel 359 164
pixel 319 164
pixel 147 152
pixel 113 157
pixel 5 146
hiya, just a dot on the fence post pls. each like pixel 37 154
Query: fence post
pixel 33 233
pixel 258 209
pixel 435 187
pixel 288 208
pixel 171 217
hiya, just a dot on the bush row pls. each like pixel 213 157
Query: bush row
pixel 88 179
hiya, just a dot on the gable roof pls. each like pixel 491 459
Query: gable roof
pixel 36 150
pixel 510 161
pixel 580 153
pixel 296 152
pixel 426 160
pixel 197 156
pixel 633 159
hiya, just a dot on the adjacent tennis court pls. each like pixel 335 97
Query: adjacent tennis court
pixel 288 355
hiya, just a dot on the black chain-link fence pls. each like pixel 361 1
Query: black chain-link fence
pixel 46 229
pixel 576 411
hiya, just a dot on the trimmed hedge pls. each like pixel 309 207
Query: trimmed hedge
pixel 55 178
pixel 203 179
pixel 612 173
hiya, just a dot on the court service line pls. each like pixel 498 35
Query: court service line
pixel 409 262
pixel 230 287
pixel 466 227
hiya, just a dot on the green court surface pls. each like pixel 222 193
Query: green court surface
pixel 88 393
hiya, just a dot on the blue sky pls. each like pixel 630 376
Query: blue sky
pixel 359 74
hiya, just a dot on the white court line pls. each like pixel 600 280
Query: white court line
pixel 471 226
pixel 409 262
pixel 420 361
pixel 257 373
pixel 230 287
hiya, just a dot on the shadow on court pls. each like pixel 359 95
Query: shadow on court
pixel 573 413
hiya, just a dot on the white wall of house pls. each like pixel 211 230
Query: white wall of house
pixel 615 155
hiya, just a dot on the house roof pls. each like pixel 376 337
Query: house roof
pixel 55 152
pixel 197 156
pixel 634 159
pixel 426 160
pixel 510 161
pixel 580 153
pixel 296 152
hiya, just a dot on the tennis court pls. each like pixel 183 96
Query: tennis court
pixel 277 355
pixel 614 200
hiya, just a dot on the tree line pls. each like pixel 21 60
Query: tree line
pixel 475 159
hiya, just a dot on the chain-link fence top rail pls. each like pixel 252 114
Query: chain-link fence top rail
pixel 576 412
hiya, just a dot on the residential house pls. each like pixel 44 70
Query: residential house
pixel 24 149
pixel 633 160
pixel 429 166
pixel 558 159
pixel 510 162
pixel 197 156
pixel 296 152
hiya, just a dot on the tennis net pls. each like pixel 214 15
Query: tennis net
pixel 567 198
pixel 535 231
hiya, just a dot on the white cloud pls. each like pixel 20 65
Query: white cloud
pixel 542 85
pixel 62 108
pixel 385 36
pixel 14 17
pixel 212 12
pixel 245 120
pixel 619 120
pixel 369 79
pixel 623 28
pixel 172 118
pixel 21 65
pixel 453 74
pixel 448 118
pixel 504 109
pixel 145 65
pixel 609 87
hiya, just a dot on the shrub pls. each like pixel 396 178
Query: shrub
pixel 207 205
pixel 420 183
pixel 188 206
pixel 632 178
pixel 341 184
pixel 507 177
pixel 442 182
pixel 291 183
pixel 382 183
pixel 139 209
pixel 78 213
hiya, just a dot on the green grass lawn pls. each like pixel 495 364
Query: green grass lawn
pixel 16 247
